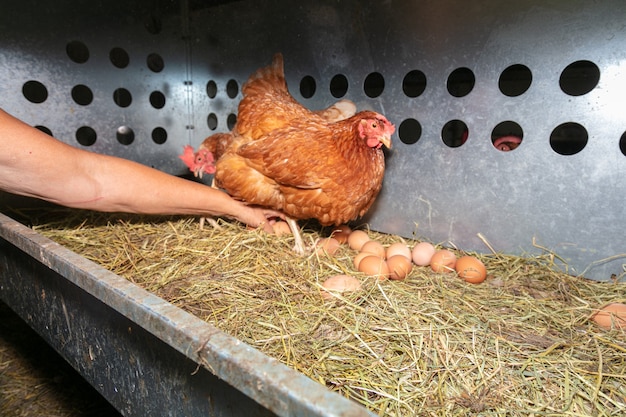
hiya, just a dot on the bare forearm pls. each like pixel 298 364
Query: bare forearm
pixel 36 165
pixel 123 185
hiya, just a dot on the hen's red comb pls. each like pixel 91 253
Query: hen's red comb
pixel 188 157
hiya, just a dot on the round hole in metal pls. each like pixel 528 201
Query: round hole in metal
pixel 77 52
pixel 122 97
pixel 454 133
pixel 86 136
pixel 157 99
pixel 155 62
pixel 410 131
pixel 81 94
pixel 414 83
pixel 307 86
pixel 34 91
pixel 507 136
pixel 211 89
pixel 374 85
pixel 211 121
pixel 44 129
pixel 515 80
pixel 159 135
pixel 579 78
pixel 153 23
pixel 461 82
pixel 339 86
pixel 231 121
pixel 232 88
pixel 125 135
pixel 119 57
pixel 568 138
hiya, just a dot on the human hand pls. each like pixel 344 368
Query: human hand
pixel 260 217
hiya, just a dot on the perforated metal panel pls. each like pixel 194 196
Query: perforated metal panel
pixel 447 73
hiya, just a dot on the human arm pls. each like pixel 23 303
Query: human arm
pixel 35 165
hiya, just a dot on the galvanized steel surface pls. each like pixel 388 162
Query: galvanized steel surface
pixel 520 200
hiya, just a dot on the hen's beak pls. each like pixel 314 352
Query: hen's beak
pixel 385 140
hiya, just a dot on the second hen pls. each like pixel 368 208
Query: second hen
pixel 307 167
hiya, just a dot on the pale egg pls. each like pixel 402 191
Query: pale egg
pixel 357 239
pixel 422 253
pixel 443 261
pixel 398 248
pixel 399 267
pixel 327 245
pixel 374 266
pixel 340 284
pixel 281 228
pixel 359 256
pixel 341 233
pixel 373 247
pixel 611 316
pixel 471 269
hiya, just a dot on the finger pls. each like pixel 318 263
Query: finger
pixel 274 214
pixel 266 226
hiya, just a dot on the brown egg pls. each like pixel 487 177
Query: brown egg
pixel 374 266
pixel 471 269
pixel 327 245
pixel 398 248
pixel 281 228
pixel 422 253
pixel 340 284
pixel 357 239
pixel 374 247
pixel 399 267
pixel 611 316
pixel 341 233
pixel 359 256
pixel 443 261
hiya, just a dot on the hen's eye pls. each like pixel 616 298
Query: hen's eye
pixel 374 125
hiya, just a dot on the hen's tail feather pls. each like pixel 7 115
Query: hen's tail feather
pixel 272 76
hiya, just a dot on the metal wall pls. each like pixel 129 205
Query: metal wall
pixel 554 71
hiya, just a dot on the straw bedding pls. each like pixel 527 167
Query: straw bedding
pixel 519 344
pixel 36 381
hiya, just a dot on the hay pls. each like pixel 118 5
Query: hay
pixel 519 344
pixel 36 381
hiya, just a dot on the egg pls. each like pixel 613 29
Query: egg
pixel 340 284
pixel 398 248
pixel 374 247
pixel 471 269
pixel 443 261
pixel 327 245
pixel 374 266
pixel 357 238
pixel 359 256
pixel 399 267
pixel 281 228
pixel 611 316
pixel 341 233
pixel 422 253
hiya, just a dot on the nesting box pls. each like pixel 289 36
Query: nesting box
pixel 511 128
